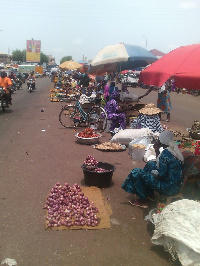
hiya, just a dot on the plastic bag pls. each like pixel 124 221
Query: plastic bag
pixel 150 154
pixel 137 148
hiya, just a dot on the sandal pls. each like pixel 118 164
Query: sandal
pixel 138 204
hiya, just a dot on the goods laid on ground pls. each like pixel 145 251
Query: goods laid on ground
pixel 76 207
pixel 177 229
pixel 127 135
pixel 108 146
pixel 97 173
pixel 91 164
pixel 68 206
pixel 88 133
pixel 88 136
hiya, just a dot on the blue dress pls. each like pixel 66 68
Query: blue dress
pixel 142 183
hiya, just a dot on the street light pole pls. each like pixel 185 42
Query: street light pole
pixel 146 39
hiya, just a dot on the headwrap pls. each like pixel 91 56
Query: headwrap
pixel 115 95
pixel 166 138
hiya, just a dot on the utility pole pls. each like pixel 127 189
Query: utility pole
pixel 146 40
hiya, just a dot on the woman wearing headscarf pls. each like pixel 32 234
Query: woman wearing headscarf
pixel 114 113
pixel 163 175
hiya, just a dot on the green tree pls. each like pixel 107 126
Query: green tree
pixel 65 58
pixel 19 56
pixel 43 58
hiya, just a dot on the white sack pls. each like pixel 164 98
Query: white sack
pixel 127 135
pixel 177 228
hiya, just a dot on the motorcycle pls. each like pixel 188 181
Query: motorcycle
pixel 13 87
pixel 18 83
pixel 31 85
pixel 3 103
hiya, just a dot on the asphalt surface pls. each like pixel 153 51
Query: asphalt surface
pixel 35 153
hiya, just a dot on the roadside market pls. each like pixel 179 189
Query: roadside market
pixel 184 141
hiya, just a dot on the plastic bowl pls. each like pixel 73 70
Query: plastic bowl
pixel 88 141
pixel 102 179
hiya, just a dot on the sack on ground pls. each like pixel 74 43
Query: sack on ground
pixel 127 135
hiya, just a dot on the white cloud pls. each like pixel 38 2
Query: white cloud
pixel 187 5
pixel 77 41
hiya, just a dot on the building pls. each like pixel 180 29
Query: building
pixel 52 61
pixel 157 53
pixel 5 58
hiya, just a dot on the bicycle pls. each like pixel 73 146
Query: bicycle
pixel 72 116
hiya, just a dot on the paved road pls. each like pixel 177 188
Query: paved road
pixel 35 153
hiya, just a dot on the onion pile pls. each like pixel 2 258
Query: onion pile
pixel 91 163
pixel 100 170
pixel 68 206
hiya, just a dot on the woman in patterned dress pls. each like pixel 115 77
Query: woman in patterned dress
pixel 163 101
pixel 114 113
pixel 163 175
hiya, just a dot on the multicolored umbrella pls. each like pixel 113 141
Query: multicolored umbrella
pixel 181 64
pixel 122 56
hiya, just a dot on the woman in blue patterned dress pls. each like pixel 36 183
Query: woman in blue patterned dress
pixel 163 175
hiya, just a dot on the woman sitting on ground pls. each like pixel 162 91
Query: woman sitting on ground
pixel 163 175
pixel 114 113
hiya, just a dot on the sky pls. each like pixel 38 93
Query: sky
pixel 81 28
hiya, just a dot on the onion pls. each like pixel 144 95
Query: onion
pixel 68 206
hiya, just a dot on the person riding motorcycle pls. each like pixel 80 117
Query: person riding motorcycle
pixel 6 83
pixel 19 79
pixel 12 76
pixel 31 76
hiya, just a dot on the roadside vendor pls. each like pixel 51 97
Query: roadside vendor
pixel 114 113
pixel 149 118
pixel 163 175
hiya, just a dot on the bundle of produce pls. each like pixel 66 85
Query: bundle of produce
pixel 91 164
pixel 67 206
pixel 109 146
pixel 88 133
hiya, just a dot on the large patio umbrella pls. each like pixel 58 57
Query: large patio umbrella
pixel 182 64
pixel 122 56
pixel 70 65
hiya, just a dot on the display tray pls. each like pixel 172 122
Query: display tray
pixel 108 148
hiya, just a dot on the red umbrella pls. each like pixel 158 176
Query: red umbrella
pixel 126 71
pixel 182 64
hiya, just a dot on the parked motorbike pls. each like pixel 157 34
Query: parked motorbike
pixel 2 99
pixel 31 85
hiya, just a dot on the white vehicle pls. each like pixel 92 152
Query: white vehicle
pixel 131 79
